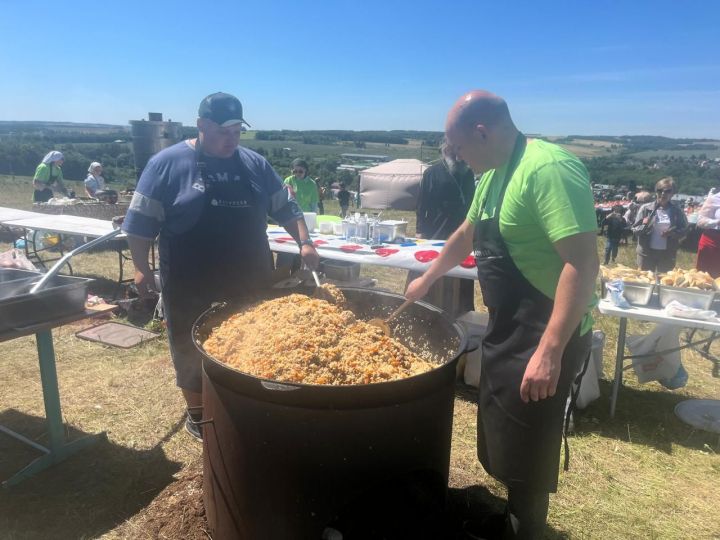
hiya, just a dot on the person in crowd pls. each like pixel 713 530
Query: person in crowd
pixel 304 187
pixel 343 196
pixel 532 229
pixel 660 225
pixel 614 226
pixel 207 200
pixel 94 181
pixel 95 185
pixel 708 254
pixel 641 198
pixel 48 177
pixel 446 191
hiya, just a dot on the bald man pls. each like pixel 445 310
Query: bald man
pixel 532 230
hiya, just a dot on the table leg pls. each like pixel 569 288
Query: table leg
pixel 58 449
pixel 51 393
pixel 619 357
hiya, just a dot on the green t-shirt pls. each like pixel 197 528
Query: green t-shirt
pixel 548 198
pixel 306 192
pixel 42 174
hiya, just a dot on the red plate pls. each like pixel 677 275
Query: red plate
pixel 350 247
pixel 426 256
pixel 386 252
pixel 284 239
pixel 469 262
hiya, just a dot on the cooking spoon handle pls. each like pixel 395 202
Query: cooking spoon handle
pixel 316 278
pixel 399 310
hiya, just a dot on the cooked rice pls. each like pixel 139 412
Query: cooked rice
pixel 308 340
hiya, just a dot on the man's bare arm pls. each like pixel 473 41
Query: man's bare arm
pixel 572 296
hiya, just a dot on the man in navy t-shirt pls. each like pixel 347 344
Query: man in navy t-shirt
pixel 208 199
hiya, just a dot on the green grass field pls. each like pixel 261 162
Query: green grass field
pixel 643 474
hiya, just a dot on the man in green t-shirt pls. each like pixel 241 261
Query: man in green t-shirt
pixel 532 229
pixel 304 187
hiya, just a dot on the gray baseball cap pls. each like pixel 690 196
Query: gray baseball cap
pixel 223 109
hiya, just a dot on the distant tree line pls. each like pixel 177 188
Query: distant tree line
pixel 689 177
pixel 430 138
pixel 637 143
pixel 21 157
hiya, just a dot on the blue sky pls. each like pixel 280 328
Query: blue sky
pixel 601 67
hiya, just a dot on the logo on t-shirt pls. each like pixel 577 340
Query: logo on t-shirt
pixel 229 204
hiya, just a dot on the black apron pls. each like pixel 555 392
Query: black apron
pixel 45 194
pixel 224 256
pixel 226 253
pixel 518 443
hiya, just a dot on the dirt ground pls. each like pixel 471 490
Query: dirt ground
pixel 176 513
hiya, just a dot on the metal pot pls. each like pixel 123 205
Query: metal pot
pixel 288 460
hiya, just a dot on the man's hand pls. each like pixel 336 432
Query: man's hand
pixel 541 376
pixel 417 289
pixel 145 283
pixel 310 257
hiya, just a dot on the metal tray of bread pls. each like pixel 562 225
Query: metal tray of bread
pixel 637 294
pixel 694 298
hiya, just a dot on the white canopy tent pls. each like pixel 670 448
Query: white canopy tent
pixel 395 184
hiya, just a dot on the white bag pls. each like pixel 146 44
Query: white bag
pixel 475 324
pixel 656 367
pixel 15 258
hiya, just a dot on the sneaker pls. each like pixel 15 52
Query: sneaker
pixel 192 428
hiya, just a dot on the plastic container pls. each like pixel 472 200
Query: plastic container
pixel 310 220
pixel 341 270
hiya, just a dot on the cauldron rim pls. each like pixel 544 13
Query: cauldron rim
pixel 329 388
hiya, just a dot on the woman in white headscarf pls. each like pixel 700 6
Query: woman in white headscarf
pixel 94 181
pixel 48 177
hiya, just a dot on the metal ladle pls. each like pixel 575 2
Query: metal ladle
pixel 383 325
pixel 321 292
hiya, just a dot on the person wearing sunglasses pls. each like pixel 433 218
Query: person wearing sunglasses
pixel 304 187
pixel 660 225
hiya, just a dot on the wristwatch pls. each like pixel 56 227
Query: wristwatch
pixel 306 242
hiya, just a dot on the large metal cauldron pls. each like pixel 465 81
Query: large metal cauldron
pixel 286 461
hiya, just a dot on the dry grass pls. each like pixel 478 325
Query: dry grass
pixel 643 474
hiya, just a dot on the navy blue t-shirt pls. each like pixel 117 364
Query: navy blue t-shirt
pixel 170 196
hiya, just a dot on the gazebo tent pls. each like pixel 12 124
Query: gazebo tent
pixel 395 184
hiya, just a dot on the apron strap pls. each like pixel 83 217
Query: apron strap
pixel 574 393
pixel 518 151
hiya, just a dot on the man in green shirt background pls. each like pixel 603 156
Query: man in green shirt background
pixel 304 187
pixel 532 230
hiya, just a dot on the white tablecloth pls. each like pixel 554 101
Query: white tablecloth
pixel 414 255
pixel 63 224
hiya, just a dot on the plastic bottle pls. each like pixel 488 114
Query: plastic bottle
pixel 362 229
pixel 349 227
